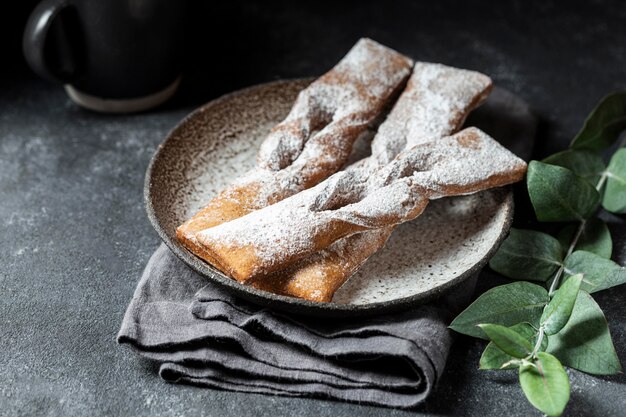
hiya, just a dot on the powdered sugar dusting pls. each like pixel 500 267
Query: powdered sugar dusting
pixel 352 93
pixel 347 203
pixel 315 139
pixel 459 164
pixel 327 117
pixel 434 104
pixel 449 238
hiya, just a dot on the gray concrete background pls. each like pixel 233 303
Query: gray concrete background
pixel 74 237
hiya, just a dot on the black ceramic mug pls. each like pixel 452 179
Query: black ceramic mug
pixel 111 55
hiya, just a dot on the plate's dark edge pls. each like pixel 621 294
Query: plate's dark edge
pixel 291 304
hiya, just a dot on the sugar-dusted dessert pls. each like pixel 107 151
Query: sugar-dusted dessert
pixel 434 104
pixel 315 139
pixel 278 236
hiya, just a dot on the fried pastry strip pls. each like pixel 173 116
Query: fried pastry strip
pixel 434 104
pixel 273 238
pixel 314 140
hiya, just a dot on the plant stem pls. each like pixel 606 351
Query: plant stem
pixel 540 336
pixel 559 273
pixel 570 249
pixel 601 181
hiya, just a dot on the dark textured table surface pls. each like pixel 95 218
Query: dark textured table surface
pixel 74 237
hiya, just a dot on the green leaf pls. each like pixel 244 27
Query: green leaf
pixel 585 342
pixel 559 309
pixel 595 237
pixel 494 358
pixel 508 340
pixel 604 124
pixel 506 305
pixel 586 164
pixel 557 194
pixel 545 384
pixel 527 254
pixel 598 273
pixel 614 199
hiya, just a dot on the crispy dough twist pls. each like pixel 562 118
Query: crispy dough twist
pixel 434 104
pixel 314 140
pixel 273 238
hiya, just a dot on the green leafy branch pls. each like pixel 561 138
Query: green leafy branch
pixel 537 329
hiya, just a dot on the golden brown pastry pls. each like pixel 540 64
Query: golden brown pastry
pixel 318 276
pixel 274 238
pixel 314 140
pixel 434 104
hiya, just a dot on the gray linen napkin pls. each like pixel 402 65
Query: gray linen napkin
pixel 200 334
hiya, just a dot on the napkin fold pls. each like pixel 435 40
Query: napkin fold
pixel 200 334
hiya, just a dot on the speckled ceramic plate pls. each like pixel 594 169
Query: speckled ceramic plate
pixel 452 240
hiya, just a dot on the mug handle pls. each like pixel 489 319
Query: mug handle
pixel 48 23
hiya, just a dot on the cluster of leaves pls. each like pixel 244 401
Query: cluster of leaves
pixel 537 328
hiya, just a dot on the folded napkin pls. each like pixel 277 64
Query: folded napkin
pixel 200 334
